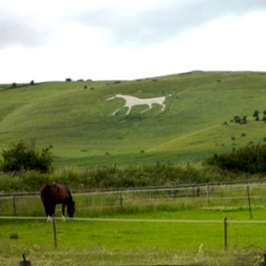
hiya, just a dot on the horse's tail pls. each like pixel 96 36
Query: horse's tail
pixel 45 194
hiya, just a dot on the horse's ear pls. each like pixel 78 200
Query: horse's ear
pixel 73 202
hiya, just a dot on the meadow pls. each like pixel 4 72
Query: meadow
pixel 152 227
pixel 79 123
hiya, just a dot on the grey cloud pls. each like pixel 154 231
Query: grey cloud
pixel 16 33
pixel 157 24
pixel 20 30
pixel 140 26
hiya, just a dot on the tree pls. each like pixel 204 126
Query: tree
pixel 24 156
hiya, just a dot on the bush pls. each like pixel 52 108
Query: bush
pixel 25 157
pixel 237 119
pixel 244 119
pixel 251 159
pixel 256 113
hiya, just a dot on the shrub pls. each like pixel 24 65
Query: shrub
pixel 244 119
pixel 264 112
pixel 13 236
pixel 25 157
pixel 68 79
pixel 251 158
pixel 32 82
pixel 237 119
pixel 256 113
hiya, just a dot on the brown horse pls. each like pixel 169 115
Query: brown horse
pixel 56 193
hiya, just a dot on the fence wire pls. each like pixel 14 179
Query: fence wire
pixel 197 196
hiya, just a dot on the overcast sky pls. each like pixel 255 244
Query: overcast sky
pixel 128 39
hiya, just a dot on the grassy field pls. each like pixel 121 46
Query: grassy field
pixel 79 123
pixel 137 243
pixel 151 228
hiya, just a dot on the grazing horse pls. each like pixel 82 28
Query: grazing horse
pixel 52 194
pixel 132 101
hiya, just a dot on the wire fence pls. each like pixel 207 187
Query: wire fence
pixel 202 196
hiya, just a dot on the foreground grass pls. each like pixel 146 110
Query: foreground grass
pixel 138 243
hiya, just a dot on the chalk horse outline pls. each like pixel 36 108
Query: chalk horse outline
pixel 132 101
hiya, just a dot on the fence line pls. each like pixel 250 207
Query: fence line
pixel 153 189
pixel 124 195
pixel 134 220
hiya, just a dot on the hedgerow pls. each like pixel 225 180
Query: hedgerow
pixel 249 159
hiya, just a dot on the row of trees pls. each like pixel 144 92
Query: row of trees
pixel 243 120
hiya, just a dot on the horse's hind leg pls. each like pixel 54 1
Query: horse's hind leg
pixel 150 106
pixel 50 212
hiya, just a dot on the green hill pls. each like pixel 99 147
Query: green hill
pixel 79 123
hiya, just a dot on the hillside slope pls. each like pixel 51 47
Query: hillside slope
pixel 80 124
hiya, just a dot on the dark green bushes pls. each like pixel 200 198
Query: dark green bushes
pixel 26 157
pixel 250 159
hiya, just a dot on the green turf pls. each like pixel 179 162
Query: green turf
pixel 79 123
pixel 127 243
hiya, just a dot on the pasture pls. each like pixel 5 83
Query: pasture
pixel 79 123
pixel 174 226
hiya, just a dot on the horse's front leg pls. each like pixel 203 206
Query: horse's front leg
pixel 63 212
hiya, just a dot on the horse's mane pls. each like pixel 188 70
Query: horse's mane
pixel 70 199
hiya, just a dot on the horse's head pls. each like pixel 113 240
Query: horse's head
pixel 71 209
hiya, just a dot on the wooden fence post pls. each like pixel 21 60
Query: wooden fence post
pixel 249 203
pixel 208 197
pixel 24 262
pixel 225 233
pixel 55 235
pixel 121 198
pixel 14 206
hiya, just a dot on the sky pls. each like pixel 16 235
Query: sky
pixel 53 40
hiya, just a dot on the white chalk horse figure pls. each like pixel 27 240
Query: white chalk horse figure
pixel 132 101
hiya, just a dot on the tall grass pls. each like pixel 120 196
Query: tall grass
pixel 78 179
